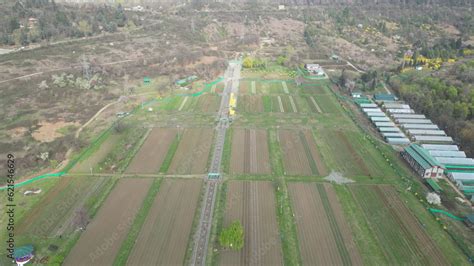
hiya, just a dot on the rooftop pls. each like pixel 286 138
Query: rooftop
pixel 440 147
pixel 421 156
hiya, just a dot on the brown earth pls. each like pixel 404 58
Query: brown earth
pixel 48 131
pixel 149 158
pixel 101 241
pixel 322 233
pixel 301 156
pixel 253 204
pixel 164 235
pixel 250 152
pixel 193 152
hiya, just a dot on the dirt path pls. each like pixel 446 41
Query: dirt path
pixel 316 105
pixel 285 87
pixel 254 90
pixel 293 105
pixel 280 104
pixel 185 100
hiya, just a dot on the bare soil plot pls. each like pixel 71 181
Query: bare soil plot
pixel 324 236
pixel 253 204
pixel 250 104
pixel 245 86
pixel 289 104
pixel 400 236
pixel 149 158
pixel 164 235
pixel 301 156
pixel 99 244
pixel 94 159
pixel 193 152
pixel 250 152
pixel 208 103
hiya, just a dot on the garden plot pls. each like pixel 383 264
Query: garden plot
pixel 250 152
pixel 91 161
pixel 164 235
pixel 208 103
pixel 324 236
pixel 250 104
pixel 193 152
pixel 254 205
pixel 149 158
pixel 300 154
pixel 101 241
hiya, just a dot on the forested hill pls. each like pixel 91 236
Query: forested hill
pixel 287 2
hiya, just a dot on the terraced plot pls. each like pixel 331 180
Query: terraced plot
pixel 250 152
pixel 153 151
pixel 301 156
pixel 253 204
pixel 164 235
pixel 101 241
pixel 193 152
pixel 400 235
pixel 324 236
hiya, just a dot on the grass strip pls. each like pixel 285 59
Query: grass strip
pixel 312 164
pixel 287 225
pixel 341 247
pixel 129 242
pixel 170 154
pixel 227 150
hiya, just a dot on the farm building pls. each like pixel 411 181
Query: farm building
pixel 389 129
pixel 440 147
pixel 368 105
pixel 422 162
pixel 380 119
pixel 314 69
pixel 413 121
pixel 396 106
pixel 397 141
pixel 393 135
pixel 455 161
pixel 409 116
pixel 456 154
pixel 463 177
pixel 400 111
pixel 419 126
pixel 383 97
pixel 426 132
pixel 372 114
pixel 384 124
pixel 433 139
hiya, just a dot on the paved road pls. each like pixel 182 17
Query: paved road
pixel 201 239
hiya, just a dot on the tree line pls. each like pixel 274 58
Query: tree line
pixel 31 21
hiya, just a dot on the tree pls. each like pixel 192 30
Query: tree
pixel 233 236
pixel 84 27
pixel 248 62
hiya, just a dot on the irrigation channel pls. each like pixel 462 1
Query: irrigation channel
pixel 201 239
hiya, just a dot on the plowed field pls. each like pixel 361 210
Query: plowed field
pixel 253 204
pixel 250 152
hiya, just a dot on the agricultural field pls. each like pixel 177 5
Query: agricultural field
pixel 100 242
pixel 98 155
pixel 324 236
pixel 398 233
pixel 165 233
pixel 192 154
pixel 152 153
pixel 208 103
pixel 300 153
pixel 250 104
pixel 253 204
pixel 250 152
